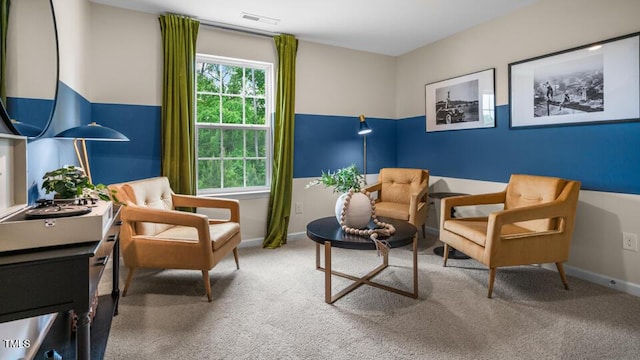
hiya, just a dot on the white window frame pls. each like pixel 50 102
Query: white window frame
pixel 269 99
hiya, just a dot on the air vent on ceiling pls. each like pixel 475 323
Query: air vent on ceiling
pixel 260 18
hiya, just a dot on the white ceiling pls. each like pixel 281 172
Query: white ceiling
pixel 380 26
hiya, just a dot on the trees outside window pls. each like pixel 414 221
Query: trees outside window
pixel 233 118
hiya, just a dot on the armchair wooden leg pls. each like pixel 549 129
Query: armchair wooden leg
pixel 563 276
pixel 207 283
pixel 492 278
pixel 445 255
pixel 235 256
pixel 128 282
pixel 424 231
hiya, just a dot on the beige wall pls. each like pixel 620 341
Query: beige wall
pixel 126 57
pixel 337 81
pixel 74 35
pixel 546 26
pixel 31 51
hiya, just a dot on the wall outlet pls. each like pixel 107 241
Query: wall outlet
pixel 299 207
pixel 630 241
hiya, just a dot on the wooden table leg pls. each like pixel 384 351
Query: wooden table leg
pixel 327 272
pixel 415 266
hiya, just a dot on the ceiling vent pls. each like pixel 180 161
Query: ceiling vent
pixel 260 18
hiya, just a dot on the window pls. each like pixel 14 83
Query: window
pixel 233 117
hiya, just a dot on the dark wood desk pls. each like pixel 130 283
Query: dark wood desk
pixel 56 280
pixel 327 231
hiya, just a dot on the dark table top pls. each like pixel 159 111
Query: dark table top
pixel 328 229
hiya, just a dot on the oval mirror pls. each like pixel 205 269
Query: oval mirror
pixel 30 74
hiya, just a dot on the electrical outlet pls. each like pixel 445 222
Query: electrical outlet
pixel 630 241
pixel 299 207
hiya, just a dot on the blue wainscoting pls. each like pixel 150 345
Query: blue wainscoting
pixel 327 143
pixel 605 157
pixel 114 162
pixel 34 112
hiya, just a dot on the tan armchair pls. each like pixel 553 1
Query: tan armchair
pixel 155 235
pixel 535 225
pixel 402 194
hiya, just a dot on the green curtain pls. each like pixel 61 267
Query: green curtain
pixel 179 36
pixel 4 25
pixel 282 178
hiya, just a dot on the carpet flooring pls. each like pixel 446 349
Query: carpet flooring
pixel 273 308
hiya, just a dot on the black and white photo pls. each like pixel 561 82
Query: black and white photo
pixel 593 83
pixel 463 102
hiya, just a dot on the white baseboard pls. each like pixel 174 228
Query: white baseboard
pixel 258 241
pixel 617 284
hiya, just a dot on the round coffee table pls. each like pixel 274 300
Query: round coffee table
pixel 328 232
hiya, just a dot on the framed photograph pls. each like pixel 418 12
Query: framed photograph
pixel 599 82
pixel 463 102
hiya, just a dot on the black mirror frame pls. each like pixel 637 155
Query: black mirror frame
pixel 3 111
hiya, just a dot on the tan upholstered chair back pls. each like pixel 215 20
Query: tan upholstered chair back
pixel 154 193
pixel 526 190
pixel 399 184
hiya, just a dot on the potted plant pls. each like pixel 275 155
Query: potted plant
pixel 348 181
pixel 70 182
pixel 342 180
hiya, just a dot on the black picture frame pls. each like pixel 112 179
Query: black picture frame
pixel 593 83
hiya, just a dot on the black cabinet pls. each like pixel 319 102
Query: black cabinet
pixel 60 280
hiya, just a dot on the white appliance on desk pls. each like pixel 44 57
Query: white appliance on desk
pixel 20 232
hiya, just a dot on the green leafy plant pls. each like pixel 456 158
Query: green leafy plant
pixel 342 180
pixel 70 182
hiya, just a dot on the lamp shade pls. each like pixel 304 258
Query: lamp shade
pixel 92 131
pixel 364 128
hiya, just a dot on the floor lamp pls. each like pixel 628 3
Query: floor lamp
pixel 364 130
pixel 93 132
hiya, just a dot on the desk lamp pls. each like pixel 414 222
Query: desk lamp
pixel 94 132
pixel 364 130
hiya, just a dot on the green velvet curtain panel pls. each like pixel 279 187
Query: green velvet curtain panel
pixel 282 178
pixel 179 36
pixel 4 25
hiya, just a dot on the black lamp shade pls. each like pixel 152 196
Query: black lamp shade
pixel 364 128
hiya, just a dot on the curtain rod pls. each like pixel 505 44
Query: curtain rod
pixel 236 28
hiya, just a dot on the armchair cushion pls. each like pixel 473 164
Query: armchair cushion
pixel 220 234
pixel 527 190
pixel 475 229
pixel 153 193
pixel 399 184
pixel 393 210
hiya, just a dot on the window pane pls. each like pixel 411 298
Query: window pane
pixel 208 109
pixel 208 143
pixel 231 110
pixel 231 79
pixel 233 143
pixel 256 143
pixel 254 84
pixel 256 172
pixel 209 174
pixel 255 111
pixel 208 77
pixel 233 173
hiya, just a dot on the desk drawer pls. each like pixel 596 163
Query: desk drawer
pixel 98 262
